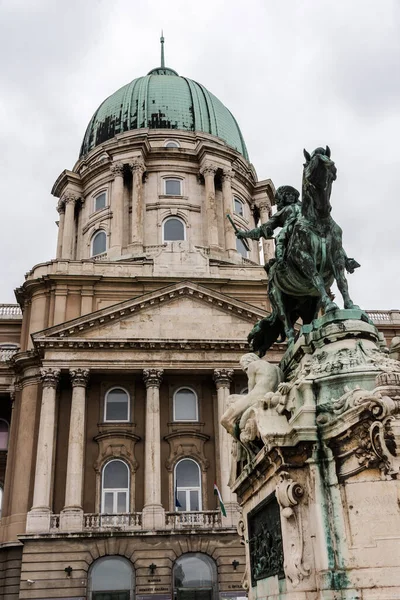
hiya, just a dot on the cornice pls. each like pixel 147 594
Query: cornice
pixel 155 345
pixel 189 432
pixel 66 178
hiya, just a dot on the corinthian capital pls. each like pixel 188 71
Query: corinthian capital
pixel 69 197
pixel 152 377
pixel 79 377
pixel 208 169
pixel 228 174
pixel 117 169
pixel 61 206
pixel 137 164
pixel 50 377
pixel 223 377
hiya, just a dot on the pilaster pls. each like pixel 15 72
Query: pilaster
pixel 208 171
pixel 138 210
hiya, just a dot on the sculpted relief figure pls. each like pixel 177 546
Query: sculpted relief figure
pixel 263 377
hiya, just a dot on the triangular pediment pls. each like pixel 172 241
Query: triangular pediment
pixel 183 311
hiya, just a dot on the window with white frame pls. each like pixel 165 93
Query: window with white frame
pixel 115 488
pixel 173 187
pixel 241 248
pixel 116 405
pixel 100 201
pixel 174 230
pixel 238 206
pixel 172 144
pixel 187 485
pixel 99 243
pixel 185 405
pixel 3 434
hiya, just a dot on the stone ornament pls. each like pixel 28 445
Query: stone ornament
pixel 79 377
pixel 69 197
pixel 50 377
pixel 117 169
pixel 61 206
pixel 223 377
pixel 137 165
pixel 289 493
pixel 208 169
pixel 228 174
pixel 152 377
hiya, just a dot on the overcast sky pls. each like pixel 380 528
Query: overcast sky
pixel 295 73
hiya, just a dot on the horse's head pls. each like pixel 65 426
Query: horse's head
pixel 319 173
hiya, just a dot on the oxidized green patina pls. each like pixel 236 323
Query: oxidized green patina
pixel 309 254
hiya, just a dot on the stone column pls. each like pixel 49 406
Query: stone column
pixel 137 216
pixel 223 378
pixel 117 206
pixel 211 223
pixel 69 226
pixel 61 212
pixel 71 517
pixel 39 516
pixel 230 238
pixel 268 245
pixel 153 512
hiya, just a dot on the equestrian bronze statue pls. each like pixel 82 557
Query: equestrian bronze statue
pixel 309 255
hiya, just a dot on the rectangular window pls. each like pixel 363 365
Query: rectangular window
pixel 173 187
pixel 100 201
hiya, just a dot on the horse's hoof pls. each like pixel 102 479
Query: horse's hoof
pixel 352 306
pixel 331 307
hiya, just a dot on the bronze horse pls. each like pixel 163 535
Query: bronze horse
pixel 299 284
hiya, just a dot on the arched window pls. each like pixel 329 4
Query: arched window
pixel 238 206
pixel 111 578
pixel 173 230
pixel 172 144
pixel 99 243
pixel 241 248
pixel 3 434
pixel 116 405
pixel 187 485
pixel 100 201
pixel 185 405
pixel 173 187
pixel 195 576
pixel 115 488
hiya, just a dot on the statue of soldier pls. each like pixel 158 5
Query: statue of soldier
pixel 289 209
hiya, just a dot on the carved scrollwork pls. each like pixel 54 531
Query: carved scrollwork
pixel 117 169
pixel 288 494
pixel 50 377
pixel 152 377
pixel 208 169
pixel 223 377
pixel 79 377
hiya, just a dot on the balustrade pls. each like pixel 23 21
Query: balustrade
pixel 209 519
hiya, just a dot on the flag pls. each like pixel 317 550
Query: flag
pixel 221 504
pixel 177 503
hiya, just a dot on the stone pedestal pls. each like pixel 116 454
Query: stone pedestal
pixel 320 486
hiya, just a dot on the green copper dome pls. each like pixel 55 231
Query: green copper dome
pixel 162 100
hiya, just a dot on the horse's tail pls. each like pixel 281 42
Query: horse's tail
pixel 265 333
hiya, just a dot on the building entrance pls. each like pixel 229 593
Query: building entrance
pixel 195 577
pixel 111 578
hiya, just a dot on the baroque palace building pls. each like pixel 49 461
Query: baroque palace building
pixel 118 359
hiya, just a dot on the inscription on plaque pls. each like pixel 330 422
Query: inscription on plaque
pixel 265 539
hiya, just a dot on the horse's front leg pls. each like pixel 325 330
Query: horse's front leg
pixel 343 287
pixel 308 267
pixel 275 296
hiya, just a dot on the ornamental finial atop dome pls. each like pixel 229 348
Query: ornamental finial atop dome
pixel 162 50
pixel 162 70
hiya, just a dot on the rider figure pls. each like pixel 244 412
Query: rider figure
pixel 289 210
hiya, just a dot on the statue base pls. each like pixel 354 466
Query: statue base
pixel 320 486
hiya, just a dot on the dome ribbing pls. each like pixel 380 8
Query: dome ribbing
pixel 162 100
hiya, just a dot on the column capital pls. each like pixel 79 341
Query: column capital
pixel 69 197
pixel 50 377
pixel 228 174
pixel 152 377
pixel 208 169
pixel 137 165
pixel 223 377
pixel 61 206
pixel 79 377
pixel 117 169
